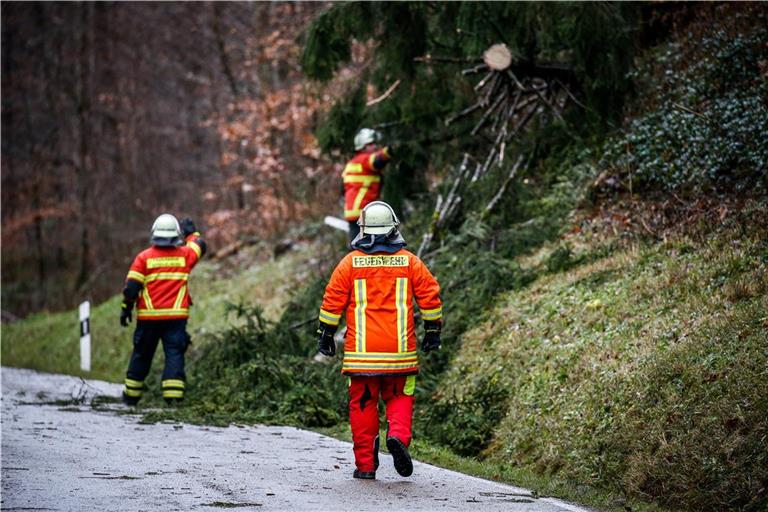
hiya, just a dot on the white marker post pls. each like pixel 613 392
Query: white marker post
pixel 85 336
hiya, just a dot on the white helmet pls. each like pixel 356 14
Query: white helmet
pixel 378 218
pixel 366 136
pixel 166 230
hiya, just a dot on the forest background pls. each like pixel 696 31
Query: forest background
pixel 595 213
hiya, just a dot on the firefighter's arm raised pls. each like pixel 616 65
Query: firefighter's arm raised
pixel 134 283
pixel 427 292
pixel 335 301
pixel 192 238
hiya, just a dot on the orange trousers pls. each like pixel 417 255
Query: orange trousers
pixel 364 393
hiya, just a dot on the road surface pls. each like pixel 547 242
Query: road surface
pixel 63 456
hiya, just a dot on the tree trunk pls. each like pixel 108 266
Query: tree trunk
pixel 84 120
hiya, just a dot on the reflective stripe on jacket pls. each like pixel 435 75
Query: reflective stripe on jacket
pixel 362 181
pixel 163 273
pixel 377 292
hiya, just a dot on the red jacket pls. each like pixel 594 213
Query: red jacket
pixel 163 273
pixel 362 181
pixel 377 292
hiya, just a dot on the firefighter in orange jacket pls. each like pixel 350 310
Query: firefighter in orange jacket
pixel 158 279
pixel 362 176
pixel 376 284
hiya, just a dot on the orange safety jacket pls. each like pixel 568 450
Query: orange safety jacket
pixel 163 273
pixel 377 292
pixel 362 181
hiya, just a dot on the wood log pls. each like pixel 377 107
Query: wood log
pixel 498 57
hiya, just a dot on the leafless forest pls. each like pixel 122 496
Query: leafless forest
pixel 115 112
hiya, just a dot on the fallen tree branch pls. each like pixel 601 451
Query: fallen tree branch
pixel 384 96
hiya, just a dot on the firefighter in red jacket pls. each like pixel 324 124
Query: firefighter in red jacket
pixel 157 280
pixel 362 176
pixel 376 284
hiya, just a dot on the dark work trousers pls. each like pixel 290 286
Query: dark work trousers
pixel 354 229
pixel 175 342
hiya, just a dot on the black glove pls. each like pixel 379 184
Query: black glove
pixel 431 339
pixel 187 227
pixel 326 345
pixel 125 313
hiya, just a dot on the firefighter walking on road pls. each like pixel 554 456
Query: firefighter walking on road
pixel 376 284
pixel 362 176
pixel 157 283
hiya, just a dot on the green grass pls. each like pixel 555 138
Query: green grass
pixel 644 372
pixel 50 341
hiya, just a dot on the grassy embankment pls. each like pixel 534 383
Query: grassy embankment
pixel 50 341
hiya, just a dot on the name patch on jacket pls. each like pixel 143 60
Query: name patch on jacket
pixel 168 261
pixel 379 261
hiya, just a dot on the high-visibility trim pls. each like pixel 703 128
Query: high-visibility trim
pixel 180 297
pixel 133 393
pixel 410 385
pixel 378 366
pixel 361 297
pixel 352 168
pixel 359 197
pixel 432 314
pixel 163 312
pixel 173 393
pixel 135 384
pixel 374 356
pixel 401 300
pixel 379 261
pixel 366 179
pixel 173 383
pixel 166 261
pixel 192 245
pixel 168 276
pixel 352 213
pixel 329 318
pixel 371 159
pixel 136 276
pixel 147 300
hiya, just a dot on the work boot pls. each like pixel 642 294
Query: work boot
pixel 400 456
pixel 376 454
pixel 130 401
pixel 365 475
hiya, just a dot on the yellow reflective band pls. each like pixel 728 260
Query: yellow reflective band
pixel 162 312
pixel 378 366
pixel 360 304
pixel 410 385
pixel 192 245
pixel 180 297
pixel 169 276
pixel 401 296
pixel 167 261
pixel 380 355
pixel 133 393
pixel 329 318
pixel 130 383
pixel 372 159
pixel 352 168
pixel 366 180
pixel 352 213
pixel 147 300
pixel 136 276
pixel 432 314
pixel 173 393
pixel 173 383
pixel 359 198
pixel 379 261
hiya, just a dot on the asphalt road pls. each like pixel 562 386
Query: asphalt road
pixel 58 456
